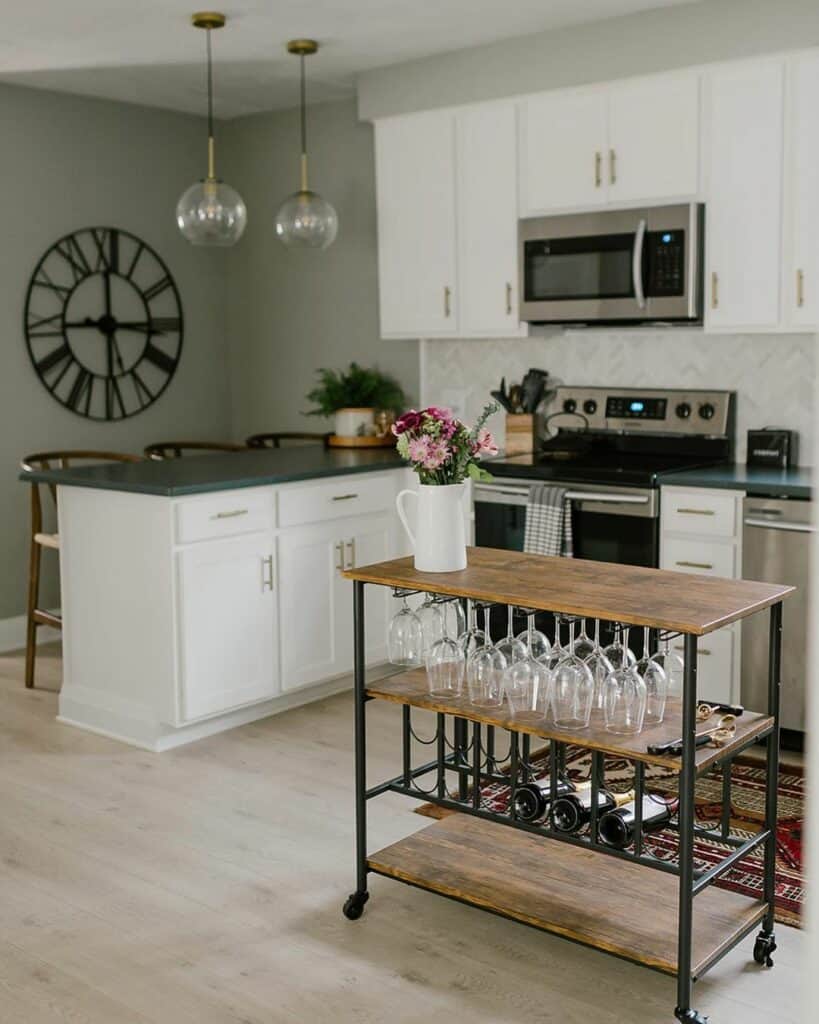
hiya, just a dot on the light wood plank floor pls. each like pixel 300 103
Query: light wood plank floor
pixel 204 886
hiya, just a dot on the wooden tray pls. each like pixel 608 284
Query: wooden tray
pixel 369 441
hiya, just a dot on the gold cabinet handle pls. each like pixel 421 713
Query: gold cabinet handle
pixel 700 650
pixel 447 300
pixel 800 288
pixel 230 515
pixel 697 511
pixel 714 290
pixel 695 565
pixel 339 549
pixel 508 299
pixel 350 545
pixel 343 497
pixel 612 167
pixel 598 169
pixel 267 577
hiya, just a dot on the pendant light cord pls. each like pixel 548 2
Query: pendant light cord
pixel 303 126
pixel 211 171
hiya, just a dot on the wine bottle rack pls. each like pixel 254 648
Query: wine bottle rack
pixel 627 902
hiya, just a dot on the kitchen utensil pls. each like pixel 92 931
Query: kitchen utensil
pixel 502 400
pixel 516 398
pixel 722 732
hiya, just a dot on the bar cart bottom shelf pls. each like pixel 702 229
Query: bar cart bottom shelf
pixel 588 897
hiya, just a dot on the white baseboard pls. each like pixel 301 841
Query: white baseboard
pixel 13 633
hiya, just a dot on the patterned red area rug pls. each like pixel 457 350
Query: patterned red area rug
pixel 747 815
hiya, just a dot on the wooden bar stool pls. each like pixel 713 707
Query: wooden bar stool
pixel 275 440
pixel 36 616
pixel 178 449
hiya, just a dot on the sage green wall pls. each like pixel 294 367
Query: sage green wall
pixel 69 163
pixel 291 311
pixel 655 40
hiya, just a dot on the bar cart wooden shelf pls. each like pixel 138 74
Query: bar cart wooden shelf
pixel 670 918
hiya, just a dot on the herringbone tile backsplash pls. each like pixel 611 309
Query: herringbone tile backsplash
pixel 772 374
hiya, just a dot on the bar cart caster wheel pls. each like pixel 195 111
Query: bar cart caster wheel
pixel 690 1016
pixel 763 948
pixel 354 905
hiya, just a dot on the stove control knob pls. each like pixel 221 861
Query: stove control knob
pixel 683 410
pixel 590 407
pixel 569 405
pixel 707 411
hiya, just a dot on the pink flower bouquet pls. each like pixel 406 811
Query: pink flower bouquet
pixel 440 448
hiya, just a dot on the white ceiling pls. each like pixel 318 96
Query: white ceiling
pixel 145 51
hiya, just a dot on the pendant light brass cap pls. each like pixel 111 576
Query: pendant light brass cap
pixel 208 19
pixel 302 47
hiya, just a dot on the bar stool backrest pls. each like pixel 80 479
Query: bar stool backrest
pixel 178 449
pixel 62 460
pixel 274 440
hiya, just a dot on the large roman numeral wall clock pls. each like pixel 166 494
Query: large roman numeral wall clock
pixel 103 323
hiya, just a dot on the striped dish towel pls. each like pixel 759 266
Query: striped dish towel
pixel 548 521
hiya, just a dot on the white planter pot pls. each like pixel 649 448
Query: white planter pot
pixel 354 422
pixel 439 540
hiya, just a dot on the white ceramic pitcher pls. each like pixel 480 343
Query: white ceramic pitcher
pixel 440 538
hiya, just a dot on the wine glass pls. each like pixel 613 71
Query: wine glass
pixel 510 647
pixel 584 646
pixel 656 682
pixel 537 643
pixel 432 623
pixel 405 642
pixel 673 666
pixel 618 652
pixel 454 617
pixel 484 671
pixel 624 702
pixel 557 652
pixel 472 638
pixel 445 668
pixel 572 690
pixel 527 686
pixel 599 666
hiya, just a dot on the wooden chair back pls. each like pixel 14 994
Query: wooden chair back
pixel 274 440
pixel 178 449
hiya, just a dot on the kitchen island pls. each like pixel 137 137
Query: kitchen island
pixel 206 592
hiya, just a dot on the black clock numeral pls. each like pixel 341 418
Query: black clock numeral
pixel 82 386
pixel 42 280
pixel 157 288
pixel 113 250
pixel 38 325
pixel 72 252
pixel 140 249
pixel 144 394
pixel 54 358
pixel 159 358
pixel 162 324
pixel 113 393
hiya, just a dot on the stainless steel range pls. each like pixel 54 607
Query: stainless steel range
pixel 610 448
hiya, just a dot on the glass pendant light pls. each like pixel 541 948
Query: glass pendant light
pixel 305 219
pixel 211 212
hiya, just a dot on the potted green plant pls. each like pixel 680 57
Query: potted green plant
pixel 352 396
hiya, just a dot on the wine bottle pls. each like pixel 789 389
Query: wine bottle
pixel 616 827
pixel 532 799
pixel 571 812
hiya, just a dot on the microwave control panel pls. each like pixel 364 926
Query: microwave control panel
pixel 666 262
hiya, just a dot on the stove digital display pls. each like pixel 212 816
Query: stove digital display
pixel 622 408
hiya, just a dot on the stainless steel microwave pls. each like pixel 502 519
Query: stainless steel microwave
pixel 613 266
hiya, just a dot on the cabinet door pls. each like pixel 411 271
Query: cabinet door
pixel 369 539
pixel 563 144
pixel 227 624
pixel 313 644
pixel 487 220
pixel 654 138
pixel 743 216
pixel 801 285
pixel 415 184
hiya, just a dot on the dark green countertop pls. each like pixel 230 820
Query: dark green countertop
pixel 770 483
pixel 222 471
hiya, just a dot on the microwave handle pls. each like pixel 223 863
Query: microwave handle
pixel 637 264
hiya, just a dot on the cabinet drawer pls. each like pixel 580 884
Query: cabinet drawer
pixel 705 513
pixel 715 665
pixel 710 558
pixel 336 498
pixel 224 514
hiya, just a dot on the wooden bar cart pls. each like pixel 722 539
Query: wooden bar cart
pixel 627 902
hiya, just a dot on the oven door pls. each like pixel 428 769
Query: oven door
pixel 611 524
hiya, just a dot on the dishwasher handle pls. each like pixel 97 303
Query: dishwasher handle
pixel 778 524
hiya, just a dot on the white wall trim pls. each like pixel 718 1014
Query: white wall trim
pixel 13 633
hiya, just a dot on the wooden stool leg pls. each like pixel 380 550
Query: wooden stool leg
pixel 31 624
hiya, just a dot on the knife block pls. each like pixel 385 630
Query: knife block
pixel 520 434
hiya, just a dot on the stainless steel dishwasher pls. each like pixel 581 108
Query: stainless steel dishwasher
pixel 776 542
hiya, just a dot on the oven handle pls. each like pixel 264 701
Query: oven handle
pixel 637 264
pixel 614 499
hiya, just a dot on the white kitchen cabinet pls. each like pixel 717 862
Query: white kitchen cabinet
pixel 562 150
pixel 316 621
pixel 744 213
pixel 486 156
pixel 226 606
pixel 800 291
pixel 654 138
pixel 415 185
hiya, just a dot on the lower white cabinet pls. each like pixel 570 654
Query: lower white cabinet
pixel 226 606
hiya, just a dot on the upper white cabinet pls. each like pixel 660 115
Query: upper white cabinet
pixel 800 287
pixel 562 148
pixel 628 142
pixel 486 157
pixel 744 211
pixel 415 181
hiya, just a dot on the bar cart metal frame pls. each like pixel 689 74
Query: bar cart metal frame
pixel 470 762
